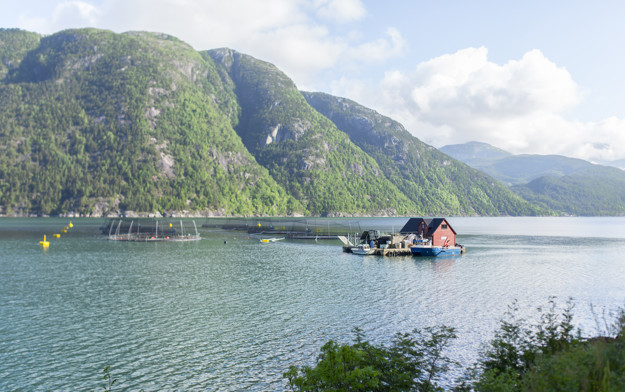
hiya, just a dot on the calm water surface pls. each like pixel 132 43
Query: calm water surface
pixel 228 313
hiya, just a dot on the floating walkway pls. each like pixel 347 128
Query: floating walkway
pixel 290 228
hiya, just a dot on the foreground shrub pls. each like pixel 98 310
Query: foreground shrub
pixel 549 356
pixel 597 364
pixel 413 362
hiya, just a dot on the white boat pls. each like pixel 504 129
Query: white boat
pixel 363 249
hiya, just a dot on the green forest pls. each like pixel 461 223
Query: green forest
pixel 96 123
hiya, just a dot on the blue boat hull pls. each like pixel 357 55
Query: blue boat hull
pixel 430 251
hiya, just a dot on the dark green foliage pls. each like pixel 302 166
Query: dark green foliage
pixel 413 362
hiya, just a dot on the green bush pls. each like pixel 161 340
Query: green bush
pixel 413 362
pixel 549 356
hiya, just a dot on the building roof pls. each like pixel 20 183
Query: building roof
pixel 412 226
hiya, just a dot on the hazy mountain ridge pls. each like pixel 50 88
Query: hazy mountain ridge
pixel 96 123
pixel 568 185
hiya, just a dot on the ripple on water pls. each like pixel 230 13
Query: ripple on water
pixel 234 316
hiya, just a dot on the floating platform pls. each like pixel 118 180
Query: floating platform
pixel 383 251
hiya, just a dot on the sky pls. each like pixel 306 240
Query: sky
pixel 529 77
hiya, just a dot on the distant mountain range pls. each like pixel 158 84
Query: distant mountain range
pixel 567 185
pixel 98 123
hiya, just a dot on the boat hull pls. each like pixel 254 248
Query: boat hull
pixel 432 251
pixel 362 250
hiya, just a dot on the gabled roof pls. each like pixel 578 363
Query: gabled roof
pixel 412 226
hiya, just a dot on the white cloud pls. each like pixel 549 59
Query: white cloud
pixel 75 12
pixel 66 14
pixel 341 11
pixel 519 106
pixel 295 35
pixel 379 49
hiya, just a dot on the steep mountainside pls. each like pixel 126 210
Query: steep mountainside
pixel 95 121
pixel 433 181
pixel 302 149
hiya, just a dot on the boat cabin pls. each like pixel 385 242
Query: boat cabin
pixel 436 230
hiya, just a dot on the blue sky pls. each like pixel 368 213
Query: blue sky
pixel 540 77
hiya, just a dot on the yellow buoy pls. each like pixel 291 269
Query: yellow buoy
pixel 44 243
pixel 66 227
pixel 170 225
pixel 63 231
pixel 71 224
pixel 56 235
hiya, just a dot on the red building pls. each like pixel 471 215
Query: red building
pixel 437 230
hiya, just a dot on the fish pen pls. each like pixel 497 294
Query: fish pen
pixel 290 228
pixel 140 230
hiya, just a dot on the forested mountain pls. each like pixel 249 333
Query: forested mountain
pixel 303 150
pixel 433 181
pixel 566 185
pixel 94 122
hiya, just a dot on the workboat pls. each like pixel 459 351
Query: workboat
pixel 419 237
pixel 363 249
pixel 432 250
pixel 431 237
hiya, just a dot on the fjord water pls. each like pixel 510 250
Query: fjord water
pixel 229 313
